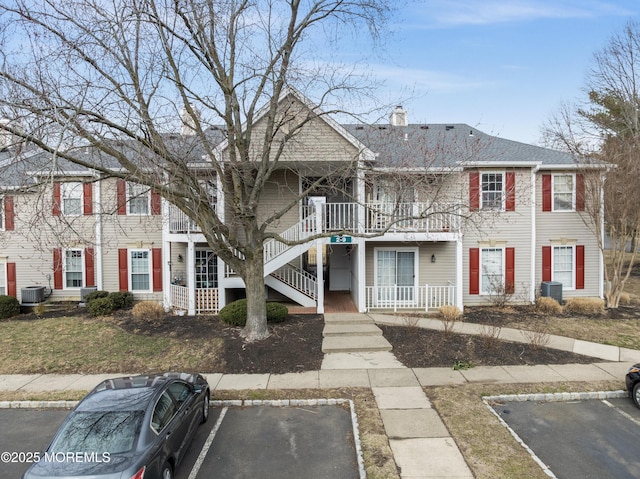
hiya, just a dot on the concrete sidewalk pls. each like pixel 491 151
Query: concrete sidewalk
pixel 421 444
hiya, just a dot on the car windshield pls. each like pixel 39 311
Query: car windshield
pixel 104 431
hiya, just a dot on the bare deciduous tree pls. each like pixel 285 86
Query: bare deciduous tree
pixel 603 130
pixel 116 75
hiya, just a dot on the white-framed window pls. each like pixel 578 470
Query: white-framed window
pixel 140 270
pixel 563 266
pixel 73 268
pixel 138 199
pixel 71 197
pixel 492 270
pixel 492 188
pixel 395 274
pixel 3 278
pixel 206 269
pixel 564 198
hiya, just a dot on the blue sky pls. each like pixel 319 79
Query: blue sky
pixel 503 66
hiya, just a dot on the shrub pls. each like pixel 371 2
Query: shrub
pixel 236 313
pixel 95 295
pixel 585 305
pixel 100 306
pixel 548 305
pixel 448 316
pixel 276 312
pixel 148 310
pixel 121 299
pixel 9 306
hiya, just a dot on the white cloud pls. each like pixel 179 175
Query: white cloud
pixel 450 13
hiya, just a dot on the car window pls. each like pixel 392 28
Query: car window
pixel 163 412
pixel 100 432
pixel 180 392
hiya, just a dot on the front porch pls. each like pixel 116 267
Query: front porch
pixel 415 298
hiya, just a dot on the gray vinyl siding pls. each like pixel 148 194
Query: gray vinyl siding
pixel 125 232
pixel 568 228
pixel 440 273
pixel 504 229
pixel 37 232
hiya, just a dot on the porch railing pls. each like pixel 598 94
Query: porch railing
pixel 206 299
pixel 410 297
pixel 298 279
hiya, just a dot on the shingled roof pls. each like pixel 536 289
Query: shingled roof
pixel 450 146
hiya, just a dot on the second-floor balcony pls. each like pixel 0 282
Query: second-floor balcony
pixel 370 218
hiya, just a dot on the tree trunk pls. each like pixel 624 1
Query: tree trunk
pixel 256 327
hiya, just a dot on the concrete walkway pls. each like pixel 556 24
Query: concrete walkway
pixel 421 444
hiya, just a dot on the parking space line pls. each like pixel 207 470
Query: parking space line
pixel 624 414
pixel 207 445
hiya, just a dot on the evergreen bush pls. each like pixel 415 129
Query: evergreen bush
pixel 236 313
pixel 95 295
pixel 9 306
pixel 121 299
pixel 100 306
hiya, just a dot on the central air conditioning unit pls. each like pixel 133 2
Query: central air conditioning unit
pixel 32 294
pixel 552 289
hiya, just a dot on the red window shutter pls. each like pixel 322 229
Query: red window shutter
pixel 89 268
pixel 155 203
pixel 121 194
pixel 474 191
pixel 511 191
pixel 123 269
pixel 580 267
pixel 87 198
pixel 56 198
pixel 12 290
pixel 546 192
pixel 156 265
pixel 510 270
pixel 474 270
pixel 9 213
pixel 579 192
pixel 57 268
pixel 546 263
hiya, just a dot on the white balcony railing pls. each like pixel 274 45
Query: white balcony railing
pixel 206 299
pixel 410 297
pixel 379 217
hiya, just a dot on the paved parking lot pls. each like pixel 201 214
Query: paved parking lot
pixel 579 439
pixel 314 442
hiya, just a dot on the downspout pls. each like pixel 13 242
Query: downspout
pixel 98 228
pixel 534 234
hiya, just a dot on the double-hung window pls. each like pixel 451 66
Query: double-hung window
pixel 140 270
pixel 492 188
pixel 563 193
pixel 73 268
pixel 3 278
pixel 563 265
pixel 491 270
pixel 138 199
pixel 71 197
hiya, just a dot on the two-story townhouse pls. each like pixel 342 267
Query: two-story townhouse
pixel 433 214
